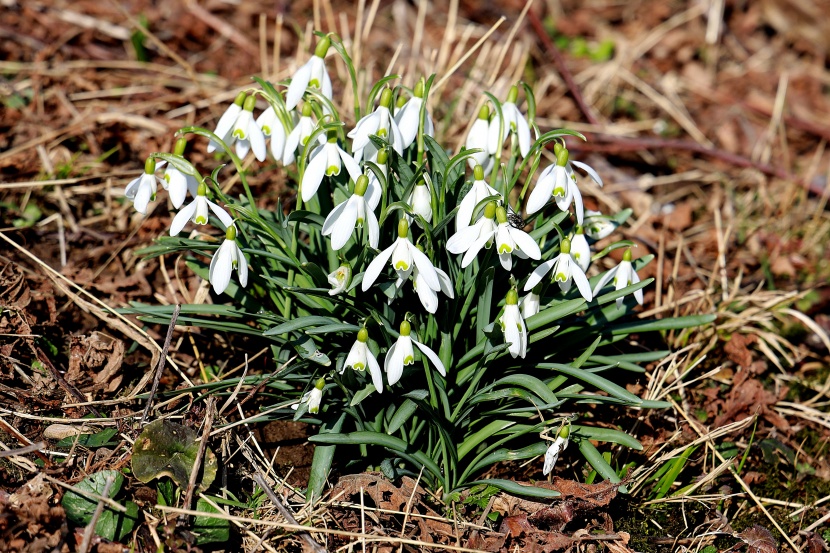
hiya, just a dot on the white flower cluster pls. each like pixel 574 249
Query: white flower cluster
pixel 304 128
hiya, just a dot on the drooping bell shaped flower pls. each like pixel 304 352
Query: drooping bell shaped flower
pixel 142 190
pixel 558 446
pixel 354 212
pixel 197 211
pixel 177 183
pixel 313 74
pixel 326 160
pixel 514 123
pixel 379 123
pixel 477 193
pixel 624 275
pixel 580 250
pixel 242 130
pixel 404 256
pixel 299 135
pixel 477 139
pixel 360 358
pixel 513 241
pixel 402 354
pixel 565 272
pixel 513 325
pixel 228 257
pixel 408 117
pixel 552 183
pixel 470 240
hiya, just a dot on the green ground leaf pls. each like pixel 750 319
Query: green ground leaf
pixel 112 525
pixel 210 529
pixel 165 448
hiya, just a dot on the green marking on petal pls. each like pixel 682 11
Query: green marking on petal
pixel 332 170
pixel 200 220
pixel 401 266
pixel 314 83
pixel 266 129
pixel 239 133
pixel 408 360
pixel 505 248
pixel 560 277
pixel 382 133
pixel 559 191
pixel 359 367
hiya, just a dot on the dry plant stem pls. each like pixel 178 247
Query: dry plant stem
pixel 162 360
pixel 559 62
pixel 71 390
pixel 197 463
pixel 306 537
pixel 90 528
pixel 9 429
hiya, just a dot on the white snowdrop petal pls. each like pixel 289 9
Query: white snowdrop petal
pixel 299 82
pixel 181 218
pixel 538 274
pixel 344 226
pixel 525 243
pixel 374 371
pixel 432 357
pixel 376 266
pixel 223 215
pixel 590 170
pixel 313 176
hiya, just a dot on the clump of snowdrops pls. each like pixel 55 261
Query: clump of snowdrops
pixel 434 310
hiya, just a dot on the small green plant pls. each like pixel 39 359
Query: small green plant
pixel 439 310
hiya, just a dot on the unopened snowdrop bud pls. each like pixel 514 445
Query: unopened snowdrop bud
pixel 176 182
pixel 531 303
pixel 514 123
pixel 340 279
pixel 228 257
pixel 559 445
pixel 580 250
pixel 421 201
pixel 408 116
pixel 477 139
pixel 513 325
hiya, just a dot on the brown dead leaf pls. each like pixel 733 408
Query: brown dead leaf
pixel 29 522
pixel 737 349
pixel 486 541
pixel 758 540
pixel 814 544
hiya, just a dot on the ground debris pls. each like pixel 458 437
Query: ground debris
pixel 757 539
pixel 32 520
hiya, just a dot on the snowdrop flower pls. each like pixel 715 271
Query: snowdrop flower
pixel 580 250
pixel 228 257
pixel 476 194
pixel 142 190
pixel 477 139
pixel 272 127
pixel 558 446
pixel 197 211
pixel 360 358
pixel 429 295
pixel 532 302
pixel 341 222
pixel 225 124
pixel 565 271
pixel 312 74
pixel 408 117
pixel 404 257
pixel 375 190
pixel 510 240
pixel 378 123
pixel 624 275
pixel 299 135
pixel 177 183
pixel 241 130
pixel 340 279
pixel 513 325
pixel 553 181
pixel 420 200
pixel 326 160
pixel 471 239
pixel 598 226
pixel 514 123
pixel 402 353
pixel 312 398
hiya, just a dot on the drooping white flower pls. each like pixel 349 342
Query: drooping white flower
pixel 558 446
pixel 477 193
pixel 565 272
pixel 242 130
pixel 408 117
pixel 197 211
pixel 313 74
pixel 420 200
pixel 510 241
pixel 427 294
pixel 531 303
pixel 513 325
pixel 226 121
pixel 177 183
pixel 624 275
pixel 598 226
pixel 228 257
pixel 341 222
pixel 402 353
pixel 477 139
pixel 326 160
pixel 552 182
pixel 404 257
pixel 299 135
pixel 514 123
pixel 360 358
pixel 312 398
pixel 273 128
pixel 142 190
pixel 471 239
pixel 340 279
pixel 580 250
pixel 378 123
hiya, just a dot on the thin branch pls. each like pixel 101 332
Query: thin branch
pixel 306 537
pixel 162 360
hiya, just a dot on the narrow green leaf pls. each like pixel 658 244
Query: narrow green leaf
pixel 606 435
pixel 322 459
pixel 402 414
pixel 595 459
pixel 595 380
pixel 515 488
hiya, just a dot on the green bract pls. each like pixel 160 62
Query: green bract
pixel 443 312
